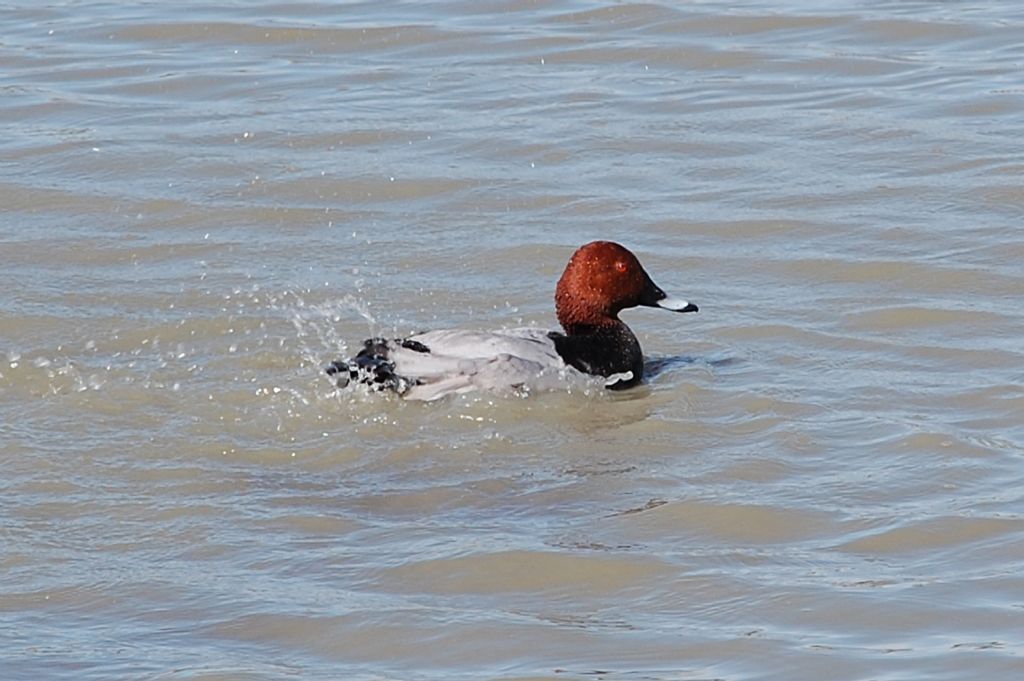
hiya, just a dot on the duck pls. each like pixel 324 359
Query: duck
pixel 601 279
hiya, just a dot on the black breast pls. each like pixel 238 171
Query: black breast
pixel 602 351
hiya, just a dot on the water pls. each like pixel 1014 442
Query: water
pixel 202 205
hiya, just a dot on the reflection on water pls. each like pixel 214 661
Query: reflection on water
pixel 820 479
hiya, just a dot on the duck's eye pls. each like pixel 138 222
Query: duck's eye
pixel 621 267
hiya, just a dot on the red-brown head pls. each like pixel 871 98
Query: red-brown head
pixel 601 279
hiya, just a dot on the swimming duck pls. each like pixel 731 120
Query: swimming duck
pixel 601 279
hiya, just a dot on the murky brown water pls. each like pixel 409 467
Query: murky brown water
pixel 824 479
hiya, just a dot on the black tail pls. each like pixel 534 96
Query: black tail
pixel 370 367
